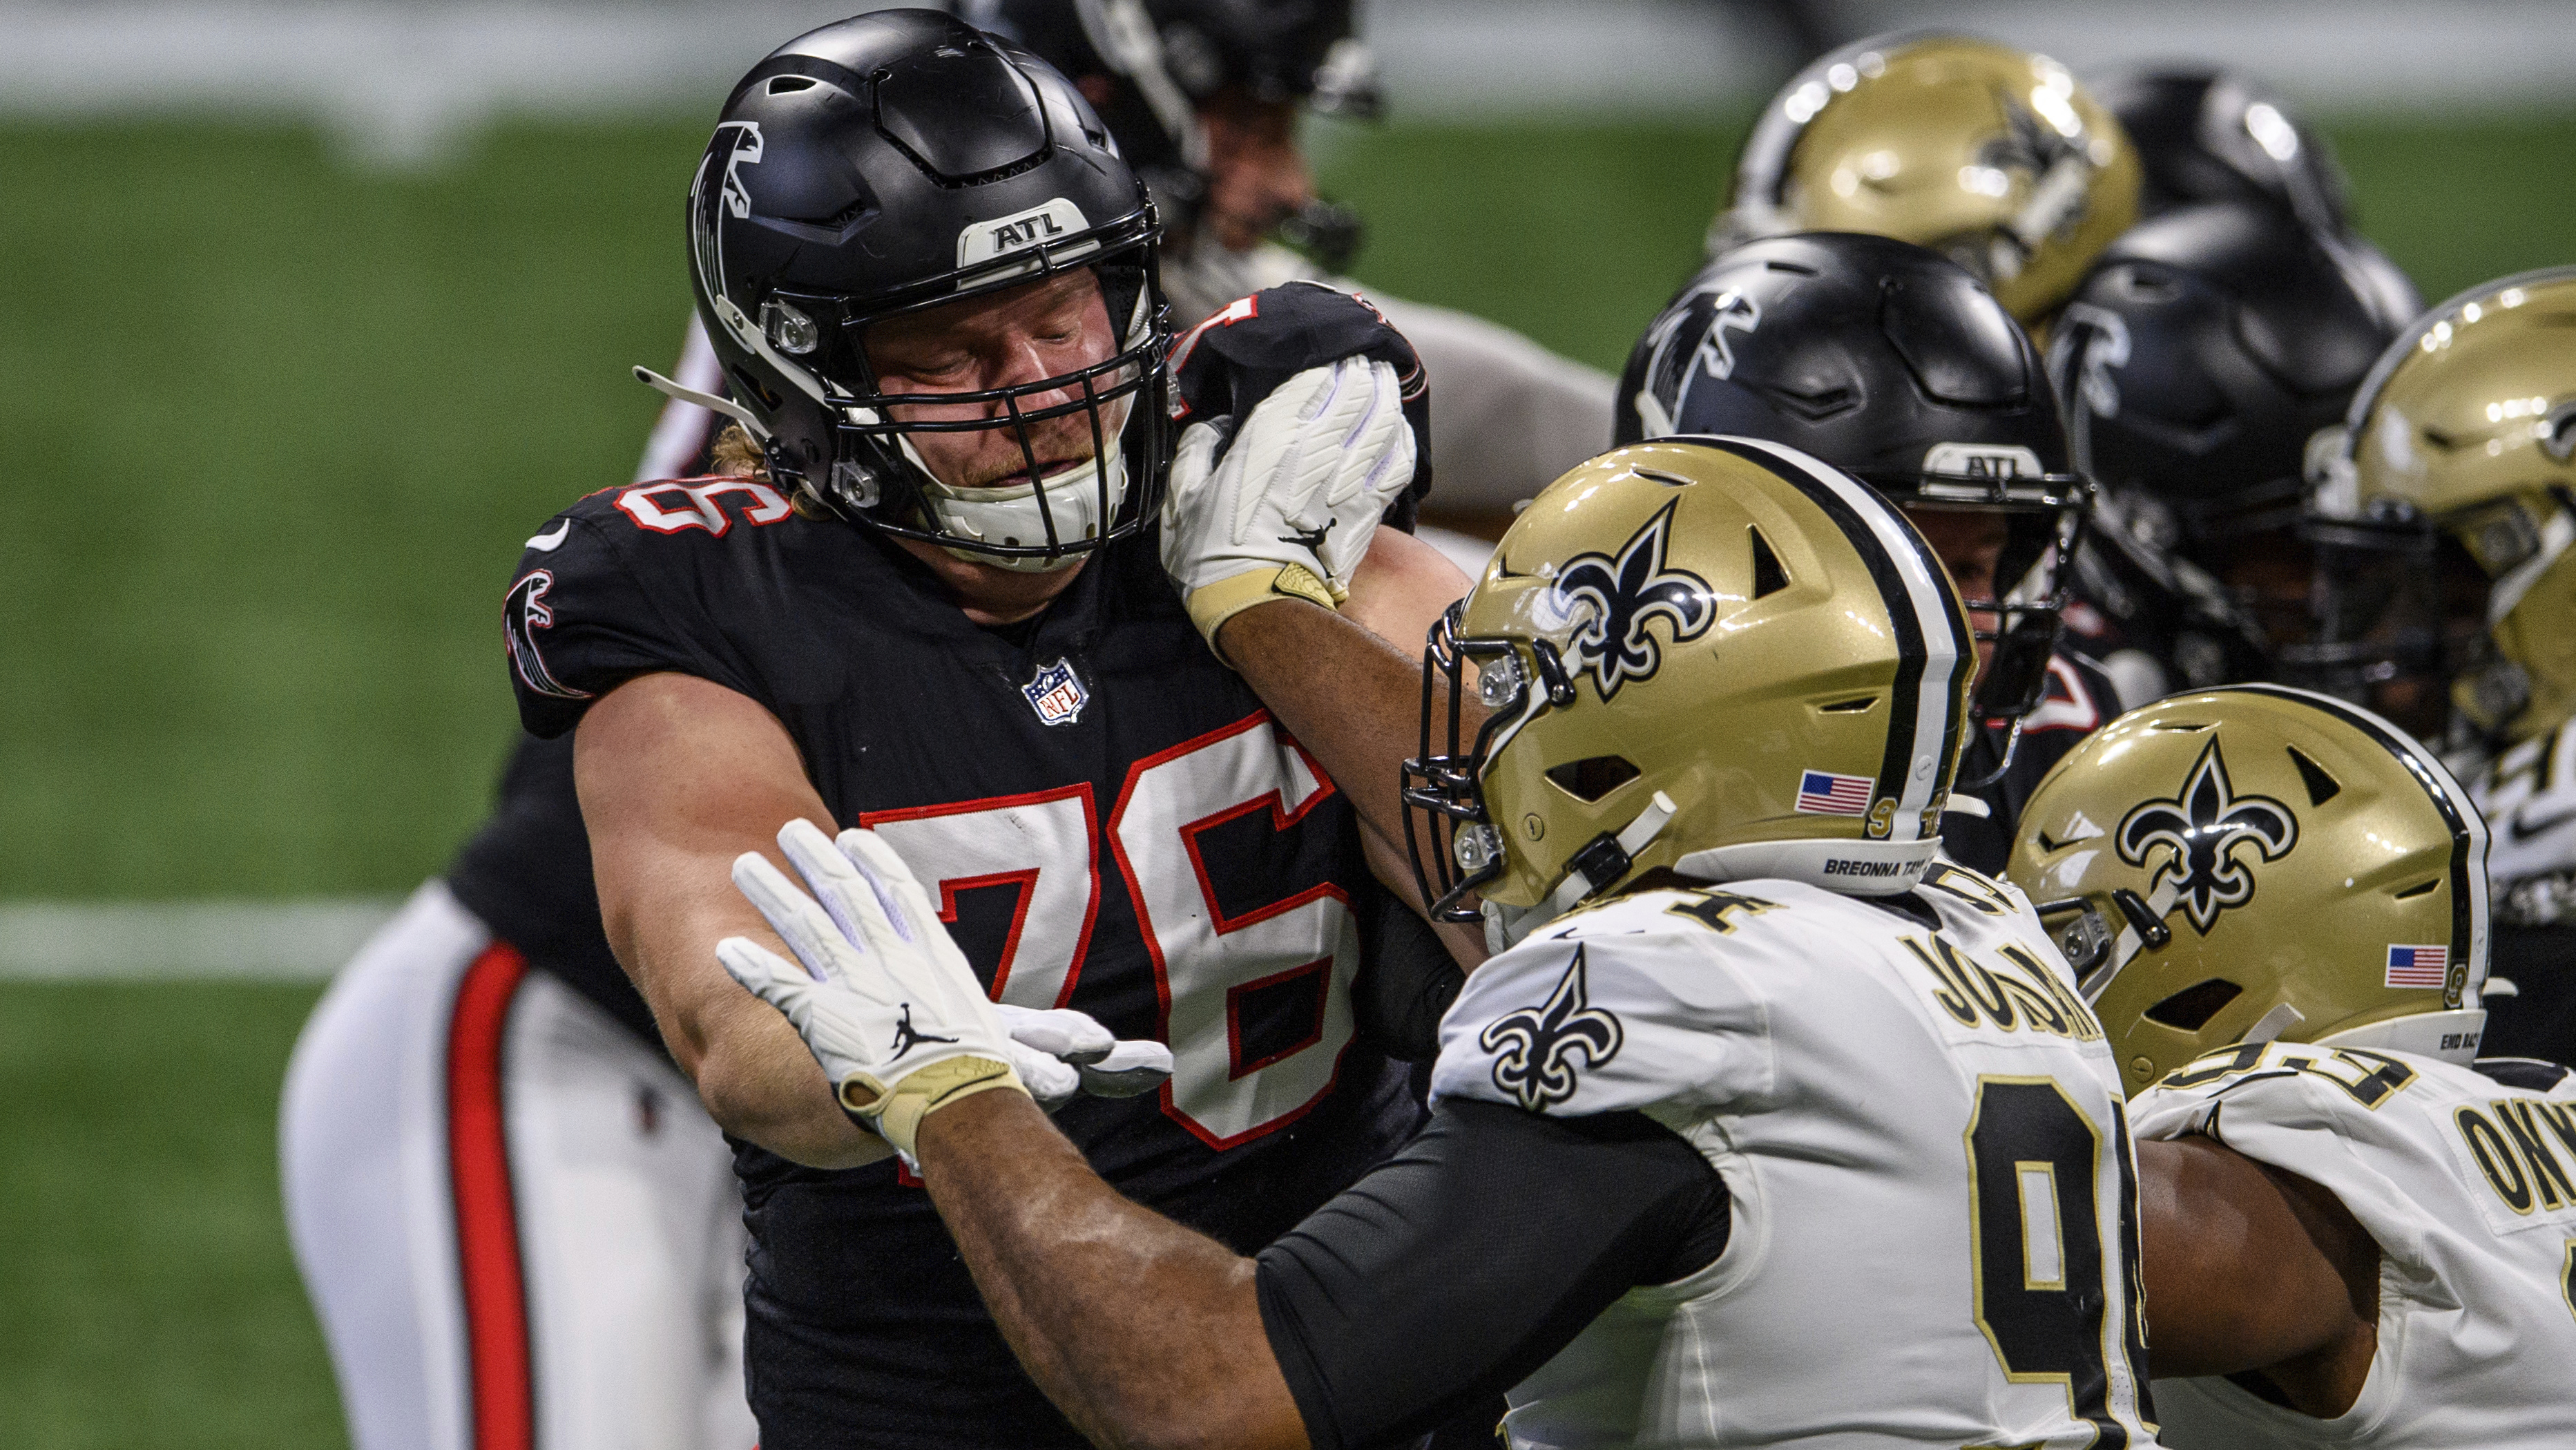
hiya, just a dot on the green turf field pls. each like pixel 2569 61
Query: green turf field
pixel 146 1296
pixel 274 431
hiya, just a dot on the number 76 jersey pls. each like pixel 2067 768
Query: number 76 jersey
pixel 1109 820
pixel 1934 1220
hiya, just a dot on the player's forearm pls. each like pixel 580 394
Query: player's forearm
pixel 1143 1332
pixel 1348 696
pixel 2234 1282
pixel 762 1085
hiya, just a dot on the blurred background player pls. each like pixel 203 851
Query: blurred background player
pixel 1891 362
pixel 2194 363
pixel 1991 156
pixel 2197 358
pixel 1204 97
pixel 2443 516
pixel 2353 1235
pixel 1696 1143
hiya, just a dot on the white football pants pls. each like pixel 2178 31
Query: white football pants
pixel 519 1228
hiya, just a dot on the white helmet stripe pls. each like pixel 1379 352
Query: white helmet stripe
pixel 1947 644
pixel 2468 826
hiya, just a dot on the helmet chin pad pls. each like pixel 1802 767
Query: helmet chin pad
pixel 1012 514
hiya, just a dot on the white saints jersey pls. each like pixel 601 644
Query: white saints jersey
pixel 2528 796
pixel 1934 1237
pixel 2468 1186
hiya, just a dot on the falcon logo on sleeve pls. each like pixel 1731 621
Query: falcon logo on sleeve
pixel 522 615
pixel 1536 1046
pixel 1624 596
pixel 2203 827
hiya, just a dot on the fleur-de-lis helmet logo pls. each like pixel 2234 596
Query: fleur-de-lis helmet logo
pixel 1619 597
pixel 2203 829
pixel 1536 1046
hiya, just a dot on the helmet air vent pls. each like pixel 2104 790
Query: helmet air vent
pixel 1768 577
pixel 2190 1009
pixel 1848 707
pixel 783 85
pixel 2321 786
pixel 2418 889
pixel 1592 778
pixel 918 94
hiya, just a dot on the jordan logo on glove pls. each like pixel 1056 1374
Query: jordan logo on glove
pixel 907 1037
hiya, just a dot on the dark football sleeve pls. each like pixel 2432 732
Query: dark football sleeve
pixel 1463 1263
pixel 1407 979
pixel 1226 365
pixel 579 623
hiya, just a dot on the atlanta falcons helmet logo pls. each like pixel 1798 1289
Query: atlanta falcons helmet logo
pixel 1621 597
pixel 2203 828
pixel 1536 1046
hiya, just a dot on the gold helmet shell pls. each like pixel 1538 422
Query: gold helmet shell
pixel 1715 655
pixel 2467 426
pixel 1992 156
pixel 2259 862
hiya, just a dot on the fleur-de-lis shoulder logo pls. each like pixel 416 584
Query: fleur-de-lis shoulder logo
pixel 1617 599
pixel 2202 828
pixel 1536 1046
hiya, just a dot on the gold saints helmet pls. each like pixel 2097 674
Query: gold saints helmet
pixel 1992 156
pixel 2258 862
pixel 1714 655
pixel 2443 512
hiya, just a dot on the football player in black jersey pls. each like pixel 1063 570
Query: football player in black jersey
pixel 943 606
pixel 2195 361
pixel 1205 99
pixel 1891 361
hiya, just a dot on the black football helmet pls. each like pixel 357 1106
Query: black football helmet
pixel 2204 134
pixel 897 162
pixel 1164 58
pixel 1892 363
pixel 2200 355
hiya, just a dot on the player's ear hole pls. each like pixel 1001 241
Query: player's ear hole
pixel 1593 777
pixel 2190 1009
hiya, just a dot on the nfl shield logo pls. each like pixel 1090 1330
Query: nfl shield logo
pixel 1057 694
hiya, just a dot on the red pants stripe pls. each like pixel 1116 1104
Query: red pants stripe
pixel 487 1231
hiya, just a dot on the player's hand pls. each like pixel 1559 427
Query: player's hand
pixel 1283 503
pixel 889 1006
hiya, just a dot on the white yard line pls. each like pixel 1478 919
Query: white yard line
pixel 295 940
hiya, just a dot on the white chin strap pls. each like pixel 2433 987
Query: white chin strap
pixel 1505 926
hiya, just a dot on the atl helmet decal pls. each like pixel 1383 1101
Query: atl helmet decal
pixel 1730 311
pixel 1536 1045
pixel 522 615
pixel 1625 595
pixel 2203 827
pixel 1714 311
pixel 745 146
pixel 2099 339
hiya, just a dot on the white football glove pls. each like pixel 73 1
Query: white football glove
pixel 1283 503
pixel 888 1005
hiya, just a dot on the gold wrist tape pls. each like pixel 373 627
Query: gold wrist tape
pixel 896 1112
